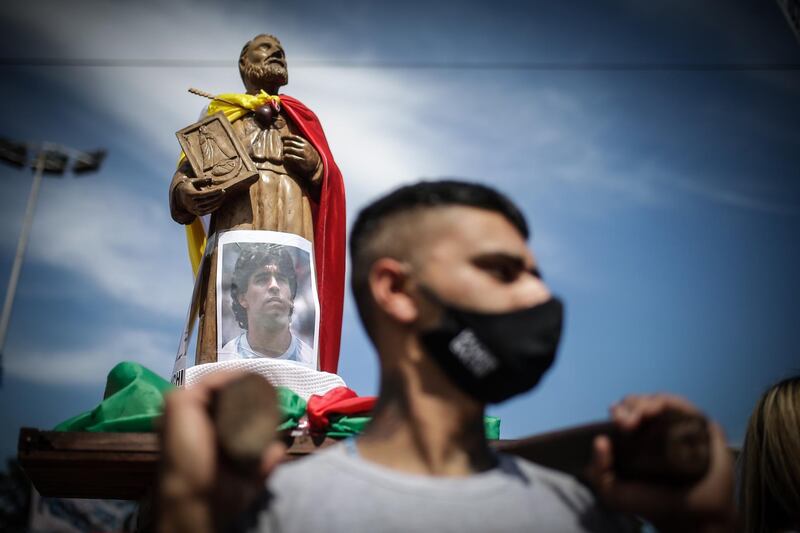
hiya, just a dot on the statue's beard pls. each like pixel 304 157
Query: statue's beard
pixel 266 76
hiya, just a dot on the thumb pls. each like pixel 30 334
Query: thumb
pixel 273 455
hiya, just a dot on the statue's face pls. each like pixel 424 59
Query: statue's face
pixel 263 64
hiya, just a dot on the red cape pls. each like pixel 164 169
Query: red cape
pixel 329 236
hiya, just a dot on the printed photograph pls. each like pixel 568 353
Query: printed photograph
pixel 267 306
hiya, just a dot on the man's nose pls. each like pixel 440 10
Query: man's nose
pixel 532 291
pixel 272 284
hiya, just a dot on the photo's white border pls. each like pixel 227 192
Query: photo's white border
pixel 267 237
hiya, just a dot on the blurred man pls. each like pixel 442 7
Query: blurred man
pixel 263 289
pixel 452 298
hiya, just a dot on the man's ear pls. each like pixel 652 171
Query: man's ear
pixel 388 283
pixel 240 298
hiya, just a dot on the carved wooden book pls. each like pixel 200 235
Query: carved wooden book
pixel 216 155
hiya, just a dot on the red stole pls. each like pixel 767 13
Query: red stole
pixel 329 236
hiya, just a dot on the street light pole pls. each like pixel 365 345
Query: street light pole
pixel 93 162
pixel 21 246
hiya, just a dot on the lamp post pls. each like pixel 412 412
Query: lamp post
pixel 49 159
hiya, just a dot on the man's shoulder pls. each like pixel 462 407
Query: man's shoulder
pixel 301 481
pixel 565 486
pixel 574 497
pixel 315 465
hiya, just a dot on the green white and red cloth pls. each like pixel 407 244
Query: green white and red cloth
pixel 134 399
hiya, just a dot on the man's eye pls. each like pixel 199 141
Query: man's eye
pixel 504 273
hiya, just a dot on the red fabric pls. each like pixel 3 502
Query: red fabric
pixel 329 236
pixel 340 401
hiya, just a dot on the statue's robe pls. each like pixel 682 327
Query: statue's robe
pixel 310 206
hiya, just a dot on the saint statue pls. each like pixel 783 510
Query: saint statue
pixel 299 190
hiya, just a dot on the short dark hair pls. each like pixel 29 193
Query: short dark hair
pixel 252 257
pixel 421 195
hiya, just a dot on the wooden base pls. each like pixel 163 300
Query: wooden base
pixel 124 465
pixel 116 466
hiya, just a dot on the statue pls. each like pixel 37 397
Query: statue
pixel 298 187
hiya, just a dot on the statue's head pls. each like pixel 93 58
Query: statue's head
pixel 262 64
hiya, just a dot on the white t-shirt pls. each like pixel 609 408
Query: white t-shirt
pixel 337 491
pixel 239 348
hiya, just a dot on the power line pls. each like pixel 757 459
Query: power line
pixel 422 65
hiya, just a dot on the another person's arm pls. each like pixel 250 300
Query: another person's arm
pixel 195 493
pixel 706 506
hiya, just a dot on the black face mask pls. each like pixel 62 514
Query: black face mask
pixel 494 356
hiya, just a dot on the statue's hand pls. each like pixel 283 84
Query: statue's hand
pixel 196 201
pixel 299 155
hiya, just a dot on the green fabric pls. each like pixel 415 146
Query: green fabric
pixel 292 406
pixel 491 426
pixel 133 399
pixel 347 426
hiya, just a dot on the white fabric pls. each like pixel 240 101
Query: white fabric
pixel 239 348
pixel 299 379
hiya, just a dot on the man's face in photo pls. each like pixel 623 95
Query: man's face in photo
pixel 268 299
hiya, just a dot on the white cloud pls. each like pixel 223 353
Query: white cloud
pixel 370 117
pixel 732 198
pixel 385 127
pixel 90 364
pixel 118 236
pixel 99 232
pixel 377 121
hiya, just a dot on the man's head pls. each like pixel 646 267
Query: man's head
pixel 263 286
pixel 262 64
pixel 463 242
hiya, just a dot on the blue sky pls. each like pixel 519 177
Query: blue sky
pixel 665 204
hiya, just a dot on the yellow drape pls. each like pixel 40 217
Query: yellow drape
pixel 196 240
pixel 234 106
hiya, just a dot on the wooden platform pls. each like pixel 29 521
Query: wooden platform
pixel 124 465
pixel 118 466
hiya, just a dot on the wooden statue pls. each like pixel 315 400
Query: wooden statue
pixel 296 187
